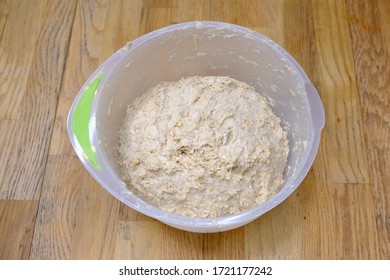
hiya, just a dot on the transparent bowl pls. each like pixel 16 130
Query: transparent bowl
pixel 184 50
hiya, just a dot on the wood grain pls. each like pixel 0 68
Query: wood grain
pixel 345 230
pixel 369 24
pixel 36 105
pixel 224 245
pixel 9 142
pixel 51 208
pixel 343 141
pixel 154 240
pixel 75 217
pixel 16 62
pixel 17 220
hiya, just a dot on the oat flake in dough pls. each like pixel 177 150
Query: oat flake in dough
pixel 203 147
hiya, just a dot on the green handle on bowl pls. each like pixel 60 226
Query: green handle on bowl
pixel 80 121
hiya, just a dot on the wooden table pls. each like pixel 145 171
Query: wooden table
pixel 51 208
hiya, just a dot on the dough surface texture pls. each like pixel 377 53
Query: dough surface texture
pixel 203 147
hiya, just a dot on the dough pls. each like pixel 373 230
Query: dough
pixel 203 147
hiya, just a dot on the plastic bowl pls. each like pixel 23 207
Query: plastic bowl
pixel 183 50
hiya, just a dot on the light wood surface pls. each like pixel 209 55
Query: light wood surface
pixel 51 208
